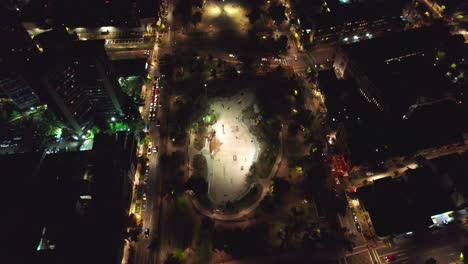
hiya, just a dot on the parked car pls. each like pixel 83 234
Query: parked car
pixel 390 258
pixel 147 232
pixel 358 227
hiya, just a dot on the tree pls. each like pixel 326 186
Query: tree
pixel 311 74
pixel 197 3
pixel 267 204
pixel 230 73
pixel 277 12
pixel 254 15
pixel 206 223
pixel 197 184
pixel 183 10
pixel 196 18
pixel 280 187
pixel 281 44
pixel 172 259
pixel 213 73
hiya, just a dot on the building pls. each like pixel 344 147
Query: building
pixel 352 21
pixel 402 71
pixel 79 81
pixel 433 194
pixel 347 21
pixel 17 55
pixel 72 207
pixel 372 140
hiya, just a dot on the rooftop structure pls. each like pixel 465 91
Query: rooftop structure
pixel 72 206
pixel 399 72
pixel 17 55
pixel 347 21
pixel 416 200
pixel 368 136
pixel 79 79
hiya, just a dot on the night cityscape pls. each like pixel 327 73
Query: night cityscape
pixel 234 131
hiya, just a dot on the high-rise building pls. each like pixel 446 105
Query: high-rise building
pixel 17 54
pixel 402 71
pixel 78 79
pixel 75 204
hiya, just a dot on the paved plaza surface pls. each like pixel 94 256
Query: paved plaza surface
pixel 233 149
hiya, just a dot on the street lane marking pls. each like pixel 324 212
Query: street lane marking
pixel 354 253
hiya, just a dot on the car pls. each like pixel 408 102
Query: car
pixel 390 258
pixel 155 149
pixel 158 123
pixel 358 227
pixel 143 206
pixel 144 196
pixel 149 152
pixel 147 232
pixel 337 181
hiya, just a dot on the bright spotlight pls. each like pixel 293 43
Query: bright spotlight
pixel 213 10
pixel 231 10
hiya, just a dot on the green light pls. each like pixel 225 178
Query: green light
pixel 264 37
pixel 295 92
pixel 462 258
pixel 453 65
pixel 296 35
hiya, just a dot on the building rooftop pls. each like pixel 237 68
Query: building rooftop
pixel 337 12
pixel 372 136
pixel 74 202
pixel 402 66
pixel 342 11
pixel 406 204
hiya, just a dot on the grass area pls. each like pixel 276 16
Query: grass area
pixel 137 208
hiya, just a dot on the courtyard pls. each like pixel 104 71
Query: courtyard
pixel 230 149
